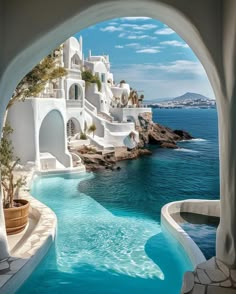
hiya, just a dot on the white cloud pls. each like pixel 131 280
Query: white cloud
pixel 175 44
pixel 157 84
pixel 182 66
pixel 133 37
pixel 132 45
pixel 122 35
pixel 139 27
pixel 164 31
pixel 134 18
pixel 148 51
pixel 119 46
pixel 111 29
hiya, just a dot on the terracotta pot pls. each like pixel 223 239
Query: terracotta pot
pixel 16 218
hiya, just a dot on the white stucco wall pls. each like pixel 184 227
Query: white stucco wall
pixel 94 97
pixel 26 119
pixel 124 114
pixel 72 47
pixel 21 119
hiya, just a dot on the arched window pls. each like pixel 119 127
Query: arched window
pixel 75 62
pixel 76 93
pixel 70 128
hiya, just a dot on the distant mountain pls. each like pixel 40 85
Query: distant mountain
pixel 186 96
pixel 190 96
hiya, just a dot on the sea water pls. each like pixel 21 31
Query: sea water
pixel 109 235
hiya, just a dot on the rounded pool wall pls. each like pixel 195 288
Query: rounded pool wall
pixel 204 207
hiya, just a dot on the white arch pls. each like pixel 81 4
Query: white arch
pixel 207 26
pixel 73 126
pixel 52 137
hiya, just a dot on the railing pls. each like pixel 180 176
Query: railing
pixel 105 116
pixel 74 103
pixel 55 93
pixel 75 66
pixel 90 106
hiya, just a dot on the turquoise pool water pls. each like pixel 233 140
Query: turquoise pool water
pixel 98 251
pixel 109 236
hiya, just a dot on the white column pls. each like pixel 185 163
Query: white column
pixel 226 233
pixel 4 251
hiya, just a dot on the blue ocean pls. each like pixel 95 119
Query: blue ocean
pixel 109 235
pixel 168 175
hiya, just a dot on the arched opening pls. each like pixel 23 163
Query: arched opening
pixel 75 62
pixel 185 22
pixel 76 93
pixel 73 127
pixel 52 137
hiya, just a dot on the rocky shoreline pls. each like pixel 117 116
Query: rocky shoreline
pixel 150 133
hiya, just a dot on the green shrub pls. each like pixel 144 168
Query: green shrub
pixel 88 77
pixel 83 136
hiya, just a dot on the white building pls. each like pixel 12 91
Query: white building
pixel 68 107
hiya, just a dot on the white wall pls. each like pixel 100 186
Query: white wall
pixel 71 47
pixel 21 118
pixel 26 119
pixel 124 114
pixel 93 96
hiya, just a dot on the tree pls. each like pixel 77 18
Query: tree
pixel 8 162
pixel 35 81
pixel 92 129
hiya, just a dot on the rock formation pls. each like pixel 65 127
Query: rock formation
pixel 153 133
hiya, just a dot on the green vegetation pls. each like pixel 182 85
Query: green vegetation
pixel 35 81
pixel 88 77
pixel 92 129
pixel 83 136
pixel 8 162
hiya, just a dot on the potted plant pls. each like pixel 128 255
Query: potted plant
pixel 15 209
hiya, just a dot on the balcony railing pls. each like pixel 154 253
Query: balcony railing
pixel 75 66
pixel 74 103
pixel 55 93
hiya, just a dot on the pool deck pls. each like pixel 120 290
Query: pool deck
pixel 28 247
pixel 210 277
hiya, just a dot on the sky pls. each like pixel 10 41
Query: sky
pixel 148 55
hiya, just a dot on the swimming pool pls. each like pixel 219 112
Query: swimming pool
pixel 202 229
pixel 103 249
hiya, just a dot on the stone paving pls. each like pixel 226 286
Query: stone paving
pixel 210 277
pixel 34 247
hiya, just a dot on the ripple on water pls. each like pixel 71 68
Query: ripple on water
pixel 106 242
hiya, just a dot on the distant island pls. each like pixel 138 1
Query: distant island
pixel 188 100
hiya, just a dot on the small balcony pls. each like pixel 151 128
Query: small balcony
pixel 55 93
pixel 74 103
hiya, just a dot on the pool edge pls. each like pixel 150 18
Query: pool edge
pixel 206 207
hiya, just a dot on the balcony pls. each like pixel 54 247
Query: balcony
pixel 55 93
pixel 74 103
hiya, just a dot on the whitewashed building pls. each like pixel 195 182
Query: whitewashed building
pixel 68 107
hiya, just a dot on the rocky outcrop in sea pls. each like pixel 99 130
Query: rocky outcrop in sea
pixel 149 133
pixel 154 133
